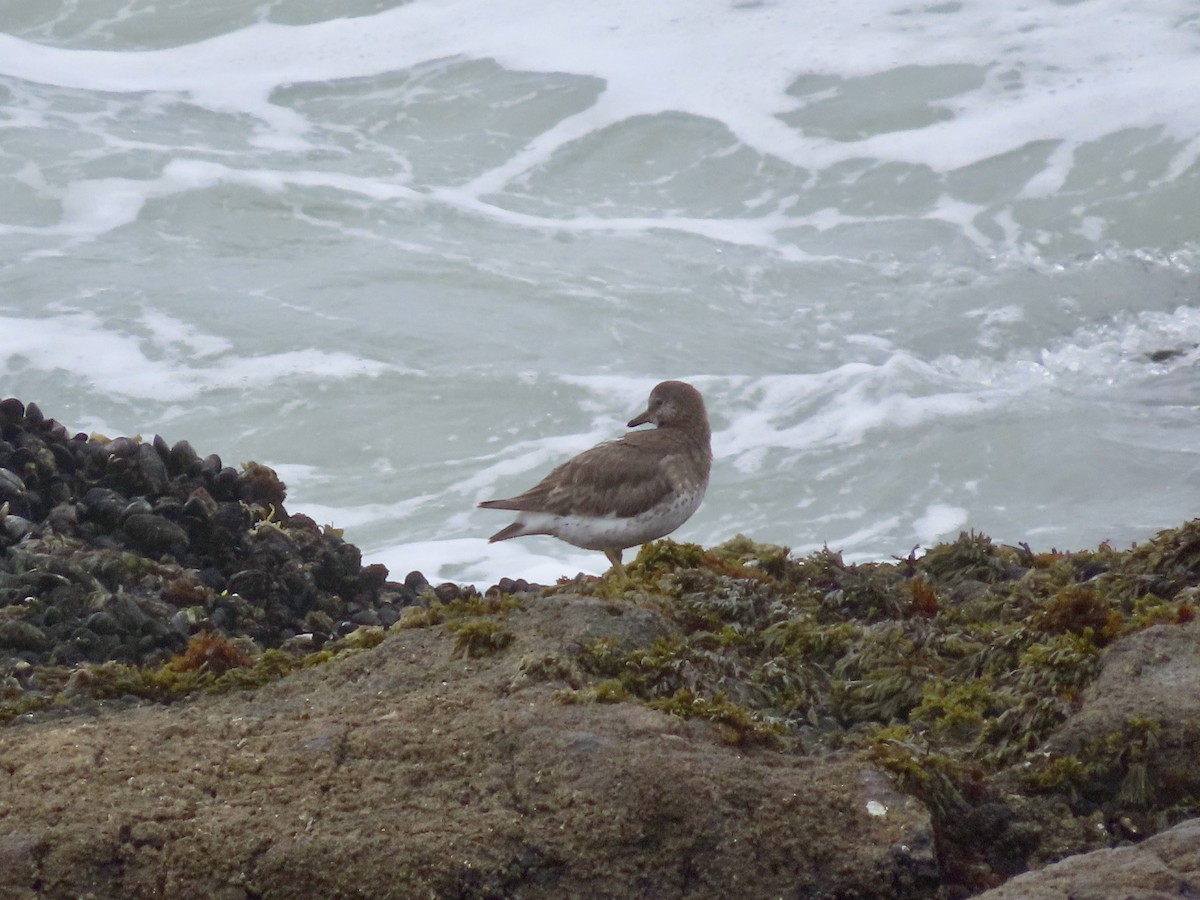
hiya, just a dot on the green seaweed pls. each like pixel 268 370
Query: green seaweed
pixel 733 723
pixel 472 605
pixel 952 670
pixel 477 636
pixel 209 665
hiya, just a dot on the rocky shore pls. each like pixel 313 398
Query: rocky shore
pixel 204 694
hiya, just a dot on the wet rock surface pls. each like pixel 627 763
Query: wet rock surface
pixel 1163 867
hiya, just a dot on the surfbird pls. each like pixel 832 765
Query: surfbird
pixel 628 491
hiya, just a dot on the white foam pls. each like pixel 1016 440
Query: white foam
pixel 1070 71
pixel 95 206
pixel 870 535
pixel 172 332
pixel 474 561
pixel 524 457
pixel 79 344
pixel 843 406
pixel 938 521
pixel 298 480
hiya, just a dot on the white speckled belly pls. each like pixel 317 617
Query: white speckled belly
pixel 601 532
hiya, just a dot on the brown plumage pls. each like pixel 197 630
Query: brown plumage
pixel 627 491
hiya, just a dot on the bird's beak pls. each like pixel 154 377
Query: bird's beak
pixel 640 419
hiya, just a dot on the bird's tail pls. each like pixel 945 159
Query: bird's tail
pixel 516 529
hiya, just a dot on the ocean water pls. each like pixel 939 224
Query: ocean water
pixel 934 265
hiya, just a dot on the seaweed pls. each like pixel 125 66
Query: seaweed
pixel 953 671
pixel 478 636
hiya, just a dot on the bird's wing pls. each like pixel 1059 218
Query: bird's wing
pixel 621 477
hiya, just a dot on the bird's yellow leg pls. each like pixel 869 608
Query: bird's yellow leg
pixel 614 557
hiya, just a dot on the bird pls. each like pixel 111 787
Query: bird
pixel 624 492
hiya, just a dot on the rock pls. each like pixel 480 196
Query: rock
pixel 233 518
pixel 12 411
pixel 84 641
pixel 182 459
pixel 102 622
pixel 318 622
pixel 104 505
pixel 63 518
pixel 200 505
pixel 11 485
pixel 1148 689
pixel 366 617
pixel 300 643
pixel 224 485
pixel 250 583
pixel 169 508
pixel 66 653
pixel 1161 662
pixel 396 595
pixel 128 614
pixel 17 634
pixel 16 527
pixel 512 586
pixel 490 791
pixel 121 448
pixel 448 591
pixel 64 459
pixel 152 468
pixel 161 447
pixel 210 465
pixel 137 506
pixel 372 578
pixel 1163 867
pixel 155 535
pixel 187 621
